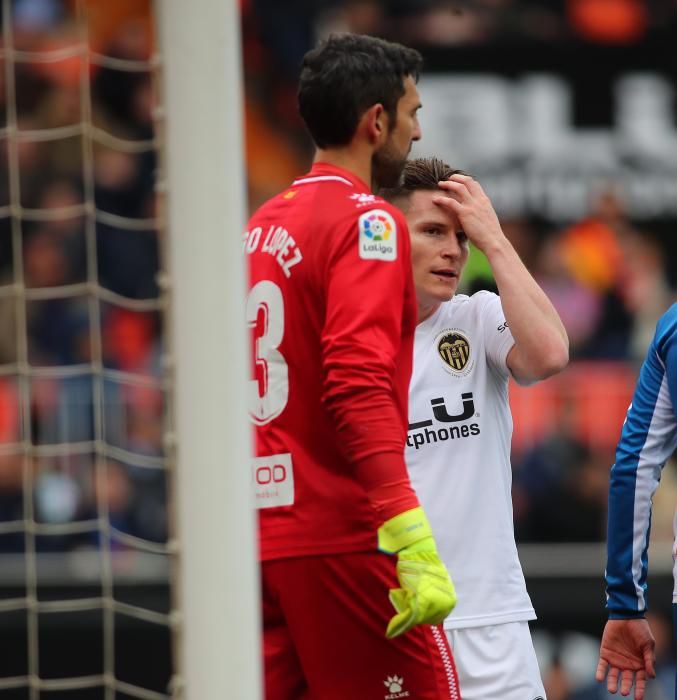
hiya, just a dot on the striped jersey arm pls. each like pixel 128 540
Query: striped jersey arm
pixel 648 438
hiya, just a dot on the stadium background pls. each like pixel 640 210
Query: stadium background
pixel 564 109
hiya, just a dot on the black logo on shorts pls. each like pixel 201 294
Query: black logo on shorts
pixel 454 349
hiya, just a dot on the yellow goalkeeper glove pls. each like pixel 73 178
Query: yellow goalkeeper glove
pixel 427 593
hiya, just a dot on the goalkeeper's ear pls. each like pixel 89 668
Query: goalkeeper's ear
pixel 374 124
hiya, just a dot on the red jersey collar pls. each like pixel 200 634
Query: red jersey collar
pixel 332 172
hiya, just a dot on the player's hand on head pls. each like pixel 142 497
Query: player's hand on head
pixel 426 594
pixel 463 196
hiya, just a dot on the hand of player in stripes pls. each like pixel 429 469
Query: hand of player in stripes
pixel 627 654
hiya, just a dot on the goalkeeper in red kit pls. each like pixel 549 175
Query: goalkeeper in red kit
pixel 352 586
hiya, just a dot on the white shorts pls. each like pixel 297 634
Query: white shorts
pixel 496 662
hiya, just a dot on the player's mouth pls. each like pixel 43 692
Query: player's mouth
pixel 445 274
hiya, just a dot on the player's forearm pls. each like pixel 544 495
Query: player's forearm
pixel 541 342
pixel 632 483
pixel 385 479
pixel 371 433
pixel 626 569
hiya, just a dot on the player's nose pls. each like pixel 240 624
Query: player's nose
pixel 451 249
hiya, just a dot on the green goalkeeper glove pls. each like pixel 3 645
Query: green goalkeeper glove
pixel 427 593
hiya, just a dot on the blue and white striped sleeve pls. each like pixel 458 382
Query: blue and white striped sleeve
pixel 648 438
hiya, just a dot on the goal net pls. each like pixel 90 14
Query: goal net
pixel 87 443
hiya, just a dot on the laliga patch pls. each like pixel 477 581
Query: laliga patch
pixel 378 236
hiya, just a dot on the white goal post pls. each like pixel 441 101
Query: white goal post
pixel 217 582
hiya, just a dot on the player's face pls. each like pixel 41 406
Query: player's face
pixel 388 161
pixel 439 251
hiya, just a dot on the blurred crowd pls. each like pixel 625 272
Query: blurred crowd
pixel 78 232
pixel 276 35
pixel 609 281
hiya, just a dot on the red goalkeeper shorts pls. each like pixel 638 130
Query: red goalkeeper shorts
pixel 324 623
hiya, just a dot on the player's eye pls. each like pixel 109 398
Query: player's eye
pixel 461 237
pixel 433 231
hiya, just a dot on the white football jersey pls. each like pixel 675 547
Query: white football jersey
pixel 458 455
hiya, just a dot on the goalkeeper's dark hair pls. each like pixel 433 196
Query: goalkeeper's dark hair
pixel 419 174
pixel 347 74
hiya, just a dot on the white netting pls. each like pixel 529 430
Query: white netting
pixel 83 474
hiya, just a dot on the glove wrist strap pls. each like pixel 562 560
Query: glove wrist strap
pixel 403 530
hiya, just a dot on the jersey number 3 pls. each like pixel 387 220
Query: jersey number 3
pixel 268 391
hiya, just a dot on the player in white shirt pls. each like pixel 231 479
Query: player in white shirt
pixel 458 447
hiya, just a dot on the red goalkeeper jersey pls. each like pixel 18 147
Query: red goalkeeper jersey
pixel 331 309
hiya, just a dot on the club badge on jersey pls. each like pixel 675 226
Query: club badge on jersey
pixel 377 238
pixel 453 348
